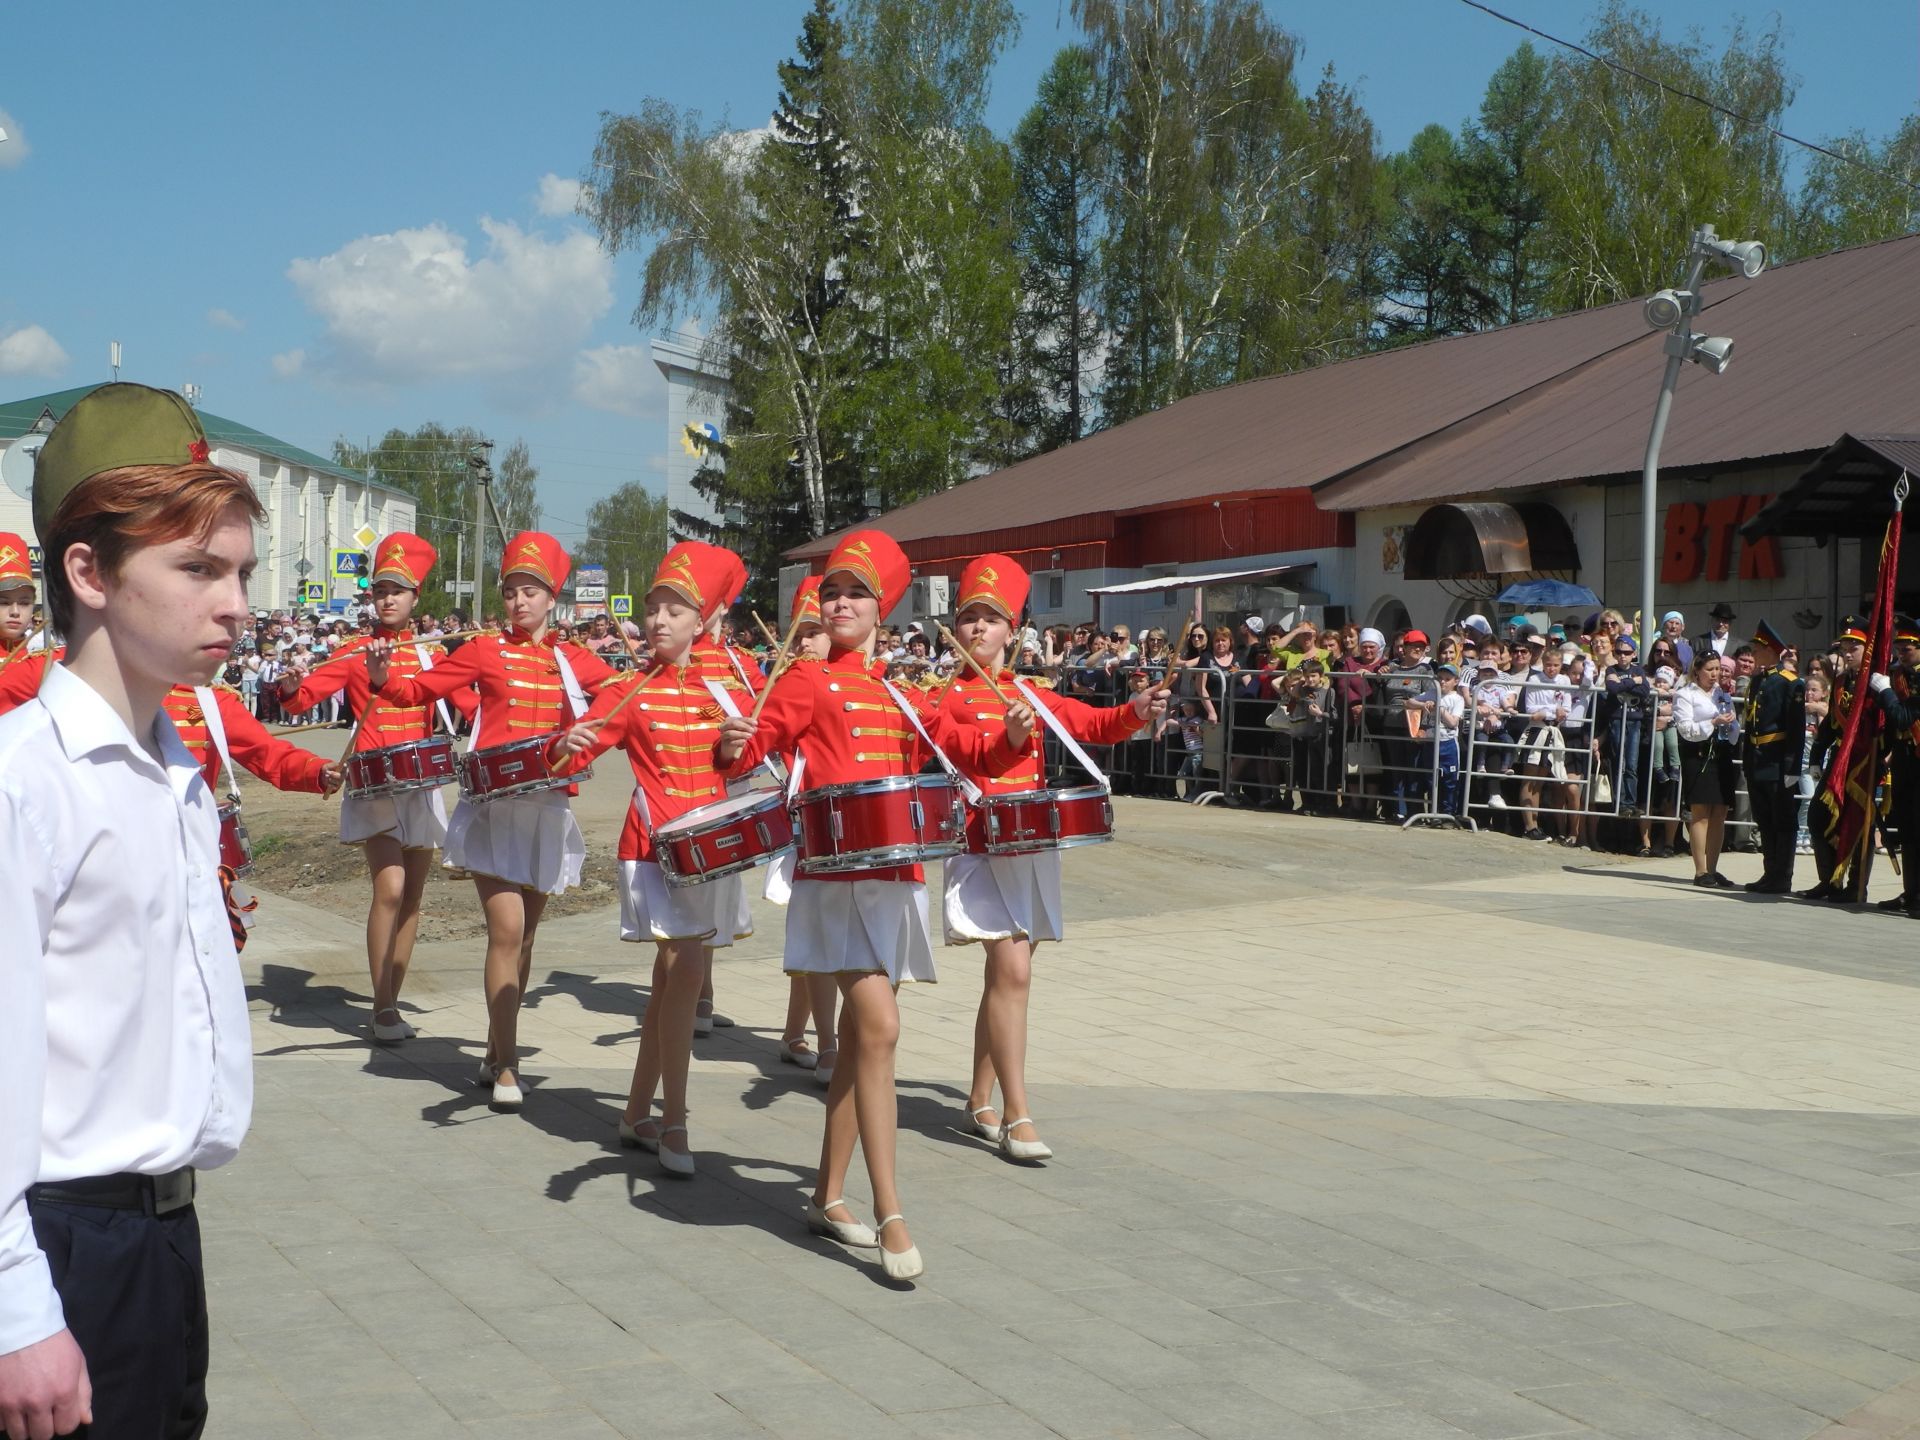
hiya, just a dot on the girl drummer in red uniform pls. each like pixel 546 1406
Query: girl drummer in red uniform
pixel 399 832
pixel 867 928
pixel 1010 903
pixel 714 659
pixel 667 721
pixel 519 848
pixel 16 599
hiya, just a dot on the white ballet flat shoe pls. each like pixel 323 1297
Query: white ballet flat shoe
pixel 672 1161
pixel 507 1098
pixel 989 1133
pixel 802 1057
pixel 847 1232
pixel 632 1139
pixel 1015 1149
pixel 483 1077
pixel 823 1068
pixel 390 1034
pixel 907 1265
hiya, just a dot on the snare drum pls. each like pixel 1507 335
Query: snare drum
pixel 518 767
pixel 236 850
pixel 1035 820
pixel 396 769
pixel 874 824
pixel 724 838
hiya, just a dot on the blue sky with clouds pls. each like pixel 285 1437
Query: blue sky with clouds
pixel 340 218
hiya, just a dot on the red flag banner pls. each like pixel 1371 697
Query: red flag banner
pixel 1847 791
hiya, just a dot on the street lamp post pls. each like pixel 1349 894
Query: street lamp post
pixel 1673 311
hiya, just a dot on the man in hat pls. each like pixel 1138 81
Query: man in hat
pixel 1673 629
pixel 1845 655
pixel 1773 735
pixel 1720 638
pixel 124 1048
pixel 1899 697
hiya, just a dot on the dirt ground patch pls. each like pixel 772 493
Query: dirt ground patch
pixel 297 852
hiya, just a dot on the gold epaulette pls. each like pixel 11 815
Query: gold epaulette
pixel 1042 682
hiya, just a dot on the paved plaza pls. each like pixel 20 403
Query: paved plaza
pixel 1359 1134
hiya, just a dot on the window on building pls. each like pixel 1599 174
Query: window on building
pixel 1056 592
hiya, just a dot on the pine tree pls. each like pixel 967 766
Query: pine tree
pixel 1437 271
pixel 1505 171
pixel 1058 151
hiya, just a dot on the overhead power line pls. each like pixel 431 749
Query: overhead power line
pixel 1713 105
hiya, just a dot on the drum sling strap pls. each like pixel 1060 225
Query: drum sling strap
pixel 1067 742
pixel 967 787
pixel 425 653
pixel 240 901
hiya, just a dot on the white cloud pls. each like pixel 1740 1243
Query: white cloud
pixel 412 306
pixel 31 351
pixel 289 363
pixel 14 149
pixel 557 197
pixel 620 378
pixel 225 319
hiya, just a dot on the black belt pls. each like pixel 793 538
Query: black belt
pixel 154 1194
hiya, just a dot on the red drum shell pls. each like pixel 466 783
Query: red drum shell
pixel 875 824
pixel 519 767
pixel 1035 820
pixel 236 850
pixel 724 838
pixel 396 769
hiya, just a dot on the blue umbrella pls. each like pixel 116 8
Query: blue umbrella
pixel 1534 594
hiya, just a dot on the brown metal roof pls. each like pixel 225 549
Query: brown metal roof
pixel 1849 490
pixel 1821 346
pixel 1286 431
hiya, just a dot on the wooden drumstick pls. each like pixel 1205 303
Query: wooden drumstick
pixel 781 662
pixel 765 629
pixel 977 668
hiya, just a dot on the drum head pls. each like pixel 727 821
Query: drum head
pixel 724 811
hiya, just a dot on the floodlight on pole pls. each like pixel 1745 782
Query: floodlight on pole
pixel 1673 311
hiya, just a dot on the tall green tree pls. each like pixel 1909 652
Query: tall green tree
pixel 1504 155
pixel 1437 270
pixel 627 533
pixel 1059 150
pixel 515 491
pixel 1232 199
pixel 1633 169
pixel 1849 204
pixel 431 464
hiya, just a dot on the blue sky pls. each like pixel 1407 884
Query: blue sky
pixel 331 217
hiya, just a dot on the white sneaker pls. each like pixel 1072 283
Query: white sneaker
pixel 1497 802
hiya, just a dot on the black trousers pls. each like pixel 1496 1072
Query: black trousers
pixel 135 1294
pixel 1775 802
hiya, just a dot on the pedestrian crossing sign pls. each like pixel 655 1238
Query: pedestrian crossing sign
pixel 620 606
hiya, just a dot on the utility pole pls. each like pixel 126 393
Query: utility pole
pixel 481 464
pixel 459 553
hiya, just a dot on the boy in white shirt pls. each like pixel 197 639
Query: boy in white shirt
pixel 125 1056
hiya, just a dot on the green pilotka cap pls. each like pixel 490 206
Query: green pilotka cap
pixel 114 426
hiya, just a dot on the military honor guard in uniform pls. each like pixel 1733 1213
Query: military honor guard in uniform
pixel 393 811
pixel 1899 696
pixel 865 924
pixel 668 722
pixel 125 1056
pixel 1774 735
pixel 1010 901
pixel 513 829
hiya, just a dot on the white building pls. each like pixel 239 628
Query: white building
pixel 696 397
pixel 313 506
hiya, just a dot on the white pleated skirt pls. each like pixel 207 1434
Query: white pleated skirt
pixel 1003 897
pixel 417 819
pixel 531 841
pixel 651 909
pixel 778 884
pixel 860 926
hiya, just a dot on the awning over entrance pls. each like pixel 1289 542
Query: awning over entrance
pixel 1848 491
pixel 1487 540
pixel 1159 584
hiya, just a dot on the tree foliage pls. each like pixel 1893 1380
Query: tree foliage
pixel 627 533
pixel 430 463
pixel 1848 204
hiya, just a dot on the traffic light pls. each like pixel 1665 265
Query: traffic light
pixel 362 566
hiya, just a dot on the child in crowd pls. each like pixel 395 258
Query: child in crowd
pixel 1666 739
pixel 1193 742
pixel 1809 772
pixel 1449 711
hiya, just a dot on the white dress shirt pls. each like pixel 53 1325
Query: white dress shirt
pixel 1693 712
pixel 124 1043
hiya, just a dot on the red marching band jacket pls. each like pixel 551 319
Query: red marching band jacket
pixel 382 722
pixel 999 583
pixel 671 727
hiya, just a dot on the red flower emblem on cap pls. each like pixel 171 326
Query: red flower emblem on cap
pixel 198 452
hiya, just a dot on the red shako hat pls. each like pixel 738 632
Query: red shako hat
pixel 15 569
pixel 806 603
pixel 703 575
pixel 879 563
pixel 403 558
pixel 998 581
pixel 536 553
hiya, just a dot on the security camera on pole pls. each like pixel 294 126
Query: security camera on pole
pixel 1673 311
